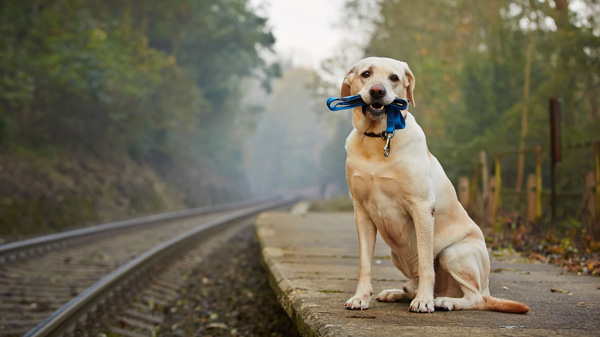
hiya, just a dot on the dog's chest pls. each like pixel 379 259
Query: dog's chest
pixel 380 191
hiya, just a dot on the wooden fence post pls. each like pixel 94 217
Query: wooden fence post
pixel 464 192
pixel 531 199
pixel 492 201
pixel 589 195
pixel 597 162
pixel 590 211
pixel 485 187
pixel 498 181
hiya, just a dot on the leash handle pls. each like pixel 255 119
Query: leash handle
pixel 348 102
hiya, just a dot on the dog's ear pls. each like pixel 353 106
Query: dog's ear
pixel 347 84
pixel 409 82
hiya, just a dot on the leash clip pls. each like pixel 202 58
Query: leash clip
pixel 387 148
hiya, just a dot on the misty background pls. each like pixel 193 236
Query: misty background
pixel 115 109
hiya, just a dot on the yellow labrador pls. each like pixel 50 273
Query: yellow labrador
pixel 408 198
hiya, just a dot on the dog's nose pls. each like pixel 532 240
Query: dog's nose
pixel 377 91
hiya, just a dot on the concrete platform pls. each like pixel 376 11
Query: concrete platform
pixel 313 263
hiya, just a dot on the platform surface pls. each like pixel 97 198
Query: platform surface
pixel 312 260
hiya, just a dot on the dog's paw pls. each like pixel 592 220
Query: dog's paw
pixel 358 302
pixel 444 303
pixel 422 305
pixel 392 295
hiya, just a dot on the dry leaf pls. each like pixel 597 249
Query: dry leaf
pixel 539 257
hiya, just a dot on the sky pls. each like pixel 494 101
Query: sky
pixel 304 30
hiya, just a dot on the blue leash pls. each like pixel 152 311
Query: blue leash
pixel 395 119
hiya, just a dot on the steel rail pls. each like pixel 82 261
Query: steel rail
pixel 37 245
pixel 66 317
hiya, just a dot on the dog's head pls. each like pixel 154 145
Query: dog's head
pixel 379 81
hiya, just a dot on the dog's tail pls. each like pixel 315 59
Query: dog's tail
pixel 496 304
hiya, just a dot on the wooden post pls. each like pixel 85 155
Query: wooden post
pixel 531 199
pixel 498 175
pixel 485 180
pixel 589 195
pixel 597 162
pixel 463 192
pixel 555 151
pixel 590 201
pixel 492 202
pixel 485 185
pixel 538 185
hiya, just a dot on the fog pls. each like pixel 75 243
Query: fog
pixel 284 154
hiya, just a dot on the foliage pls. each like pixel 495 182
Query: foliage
pixel 284 154
pixel 151 80
pixel 84 75
pixel 469 60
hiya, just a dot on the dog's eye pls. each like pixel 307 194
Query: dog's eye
pixel 366 74
pixel 394 78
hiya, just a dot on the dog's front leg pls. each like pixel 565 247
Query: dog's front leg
pixel 422 215
pixel 367 233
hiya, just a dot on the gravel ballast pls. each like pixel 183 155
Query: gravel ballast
pixel 228 294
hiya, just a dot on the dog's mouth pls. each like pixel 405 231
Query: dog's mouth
pixel 376 109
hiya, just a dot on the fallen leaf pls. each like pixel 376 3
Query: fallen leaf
pixel 581 303
pixel 216 326
pixel 556 290
pixel 504 288
pixel 539 257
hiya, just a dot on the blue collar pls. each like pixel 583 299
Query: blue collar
pixel 395 119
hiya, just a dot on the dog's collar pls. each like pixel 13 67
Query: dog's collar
pixel 375 135
pixel 386 136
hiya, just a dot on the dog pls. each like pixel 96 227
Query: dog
pixel 410 201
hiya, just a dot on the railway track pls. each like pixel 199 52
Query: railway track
pixel 51 285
